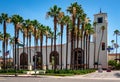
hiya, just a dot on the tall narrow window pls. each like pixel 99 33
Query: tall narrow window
pixel 103 46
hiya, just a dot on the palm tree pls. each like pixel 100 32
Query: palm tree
pixel 24 31
pixel 90 31
pixel 3 20
pixel 112 41
pixel 79 14
pixel 36 35
pixel 116 32
pixel 16 20
pixel 27 22
pixel 47 34
pixel 102 28
pixel 41 31
pixel 6 41
pixel 72 10
pixel 94 24
pixel 83 36
pixel 29 29
pixel 62 23
pixel 12 43
pixel 68 23
pixel 54 12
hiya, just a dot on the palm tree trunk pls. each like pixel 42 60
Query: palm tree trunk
pixel 86 52
pixel 99 49
pixel 30 46
pixel 116 48
pixel 27 43
pixel 15 47
pixel 78 25
pixel 61 43
pixel 4 64
pixel 17 51
pixel 94 51
pixel 51 44
pixel 89 51
pixel 67 47
pixel 13 54
pixel 55 28
pixel 82 45
pixel 46 53
pixel 84 49
pixel 41 44
pixel 72 43
pixel 23 48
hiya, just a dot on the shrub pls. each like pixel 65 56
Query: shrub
pixel 11 71
pixel 75 72
pixel 117 66
pixel 112 63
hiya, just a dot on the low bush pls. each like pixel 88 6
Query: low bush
pixel 11 71
pixel 114 64
pixel 75 72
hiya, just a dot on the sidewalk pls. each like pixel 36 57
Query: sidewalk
pixel 115 75
pixel 96 75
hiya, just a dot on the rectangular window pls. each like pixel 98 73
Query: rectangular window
pixel 100 20
pixel 103 46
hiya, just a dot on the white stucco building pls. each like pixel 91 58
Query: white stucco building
pixel 101 20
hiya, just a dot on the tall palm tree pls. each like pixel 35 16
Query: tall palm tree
pixel 72 10
pixel 112 41
pixel 62 23
pixel 94 24
pixel 117 33
pixel 98 57
pixel 3 20
pixel 36 37
pixel 41 31
pixel 90 31
pixel 29 29
pixel 6 41
pixel 54 12
pixel 16 20
pixel 47 34
pixel 24 32
pixel 79 14
pixel 83 36
pixel 68 23
pixel 12 43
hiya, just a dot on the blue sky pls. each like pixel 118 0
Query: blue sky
pixel 36 9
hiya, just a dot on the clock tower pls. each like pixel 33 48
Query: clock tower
pixel 100 39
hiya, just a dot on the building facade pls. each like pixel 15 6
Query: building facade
pixel 98 51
